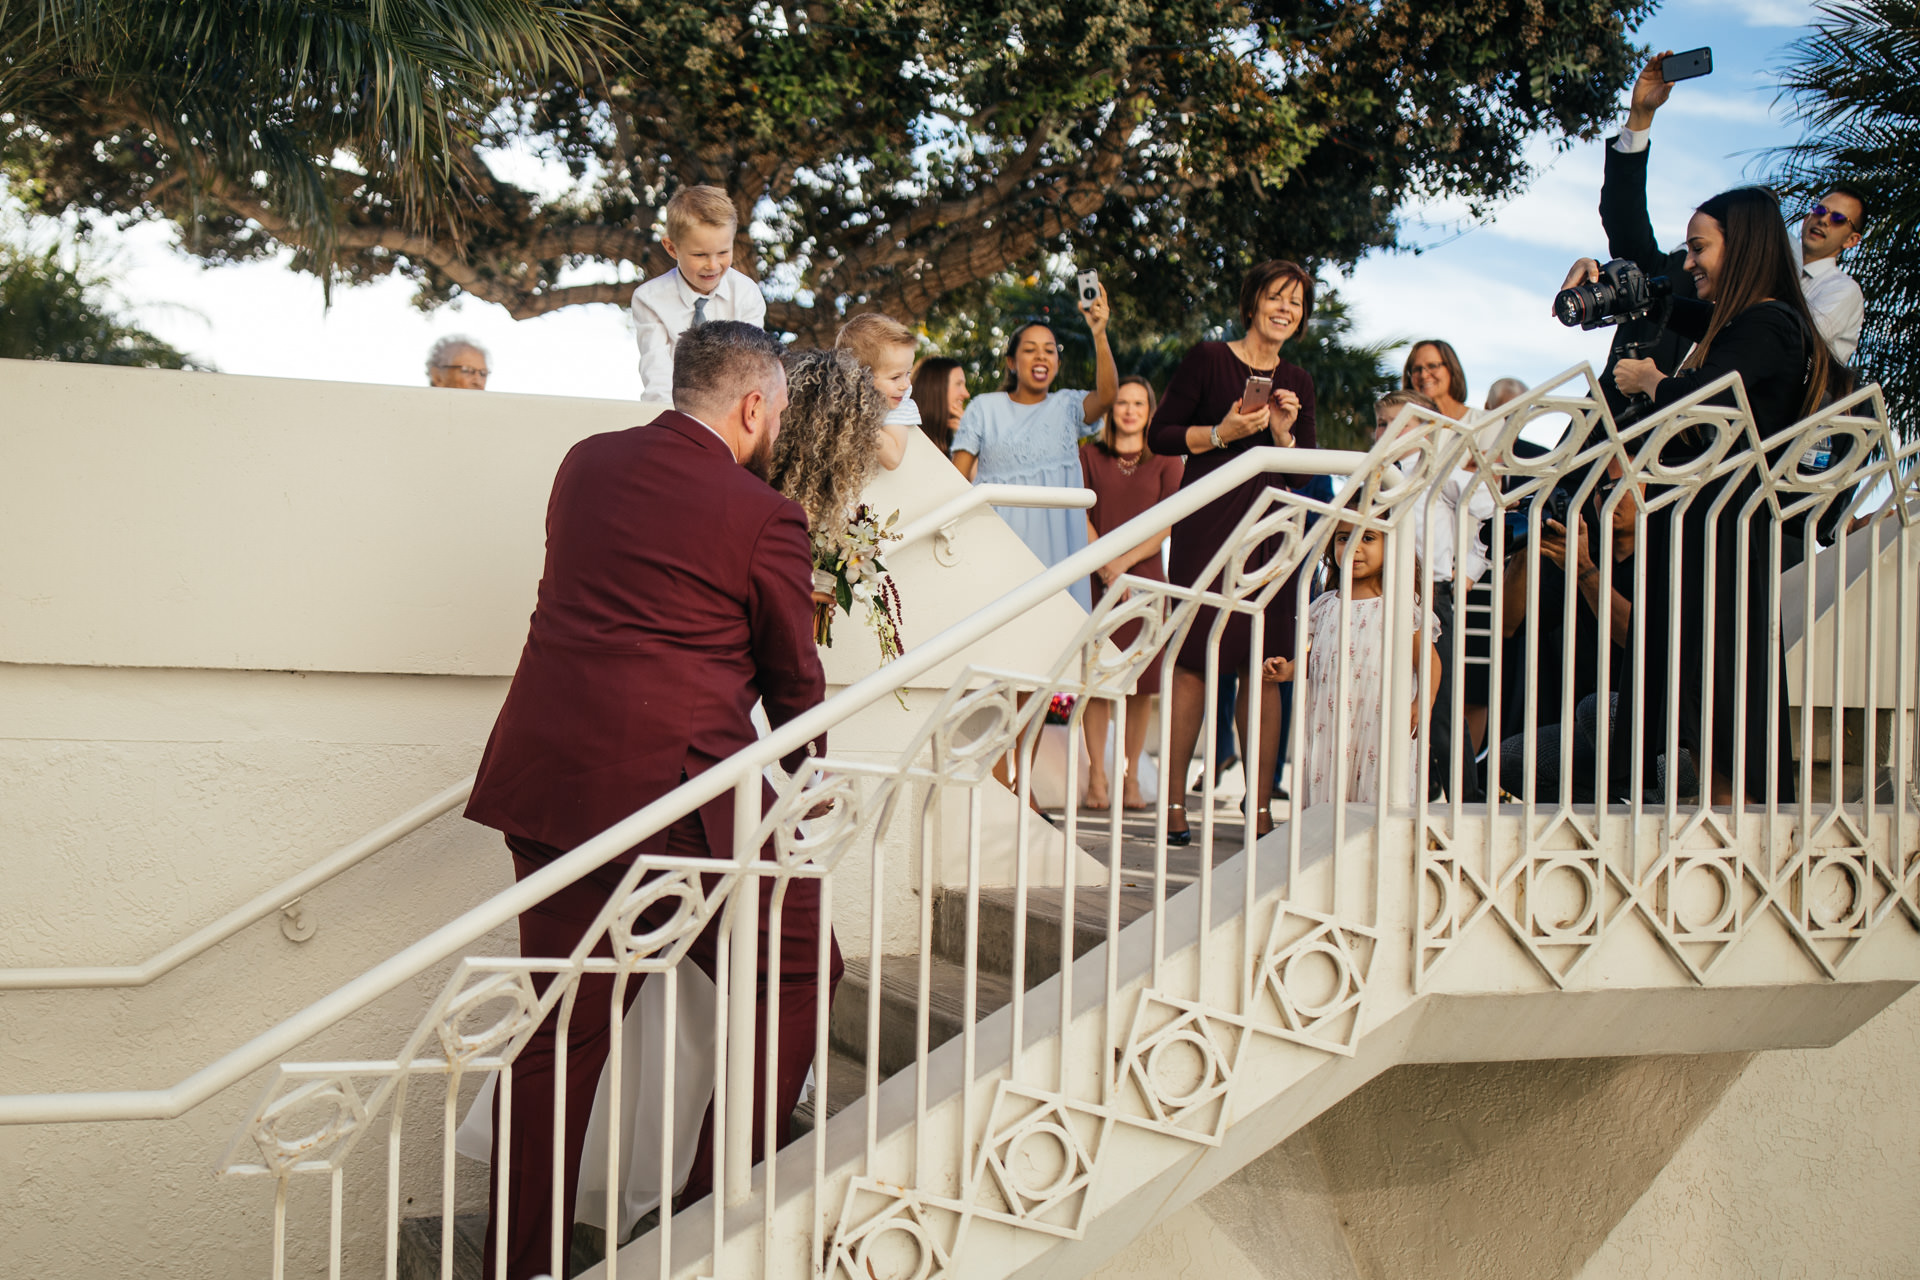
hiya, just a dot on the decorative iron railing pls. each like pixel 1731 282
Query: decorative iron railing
pixel 994 1101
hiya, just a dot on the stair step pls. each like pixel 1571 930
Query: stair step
pixel 419 1247
pixel 846 1082
pixel 998 912
pixel 899 1007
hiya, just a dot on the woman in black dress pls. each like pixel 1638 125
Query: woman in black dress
pixel 1199 418
pixel 1752 319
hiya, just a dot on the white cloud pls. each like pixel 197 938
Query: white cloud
pixel 263 318
pixel 1759 13
pixel 1501 326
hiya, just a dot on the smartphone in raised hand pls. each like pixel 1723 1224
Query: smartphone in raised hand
pixel 1255 396
pixel 1686 66
pixel 1088 285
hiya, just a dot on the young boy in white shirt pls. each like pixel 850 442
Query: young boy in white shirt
pixel 885 347
pixel 704 286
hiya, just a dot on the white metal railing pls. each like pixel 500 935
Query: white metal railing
pixel 943 519
pixel 284 896
pixel 931 1142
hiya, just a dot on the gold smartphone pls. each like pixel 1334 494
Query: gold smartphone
pixel 1256 395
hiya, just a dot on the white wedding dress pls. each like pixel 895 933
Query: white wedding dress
pixel 643 1062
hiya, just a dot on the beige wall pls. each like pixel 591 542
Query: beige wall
pixel 136 805
pixel 158 519
pixel 1791 1163
pixel 242 622
pixel 1807 1168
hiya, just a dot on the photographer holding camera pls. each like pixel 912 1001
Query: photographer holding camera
pixel 1832 225
pixel 1623 216
pixel 1750 318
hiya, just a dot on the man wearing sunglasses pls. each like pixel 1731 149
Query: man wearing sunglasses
pixel 1830 228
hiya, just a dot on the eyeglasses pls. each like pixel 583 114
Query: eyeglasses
pixel 467 369
pixel 1833 217
pixel 1429 368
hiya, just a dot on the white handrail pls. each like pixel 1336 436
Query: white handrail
pixel 451 938
pixel 297 886
pixel 993 495
pixel 259 908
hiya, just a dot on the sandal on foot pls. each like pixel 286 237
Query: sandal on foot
pixel 1179 839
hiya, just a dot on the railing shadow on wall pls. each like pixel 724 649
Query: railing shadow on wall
pixel 1697 477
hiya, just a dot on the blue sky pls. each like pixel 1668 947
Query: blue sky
pixel 1486 290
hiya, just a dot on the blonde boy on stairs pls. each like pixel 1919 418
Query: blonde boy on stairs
pixel 701 224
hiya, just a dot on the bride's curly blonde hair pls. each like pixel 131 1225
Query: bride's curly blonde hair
pixel 829 439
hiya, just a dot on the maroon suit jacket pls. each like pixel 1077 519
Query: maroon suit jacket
pixel 677 590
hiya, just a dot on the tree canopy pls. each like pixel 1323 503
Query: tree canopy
pixel 1852 83
pixel 886 155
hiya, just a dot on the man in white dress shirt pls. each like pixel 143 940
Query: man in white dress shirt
pixel 1830 228
pixel 1833 225
pixel 701 223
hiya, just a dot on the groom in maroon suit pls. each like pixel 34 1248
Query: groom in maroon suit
pixel 676 593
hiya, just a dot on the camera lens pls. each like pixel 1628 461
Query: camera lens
pixel 1572 306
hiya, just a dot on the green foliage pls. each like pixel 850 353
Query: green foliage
pixel 1854 90
pixel 1347 377
pixel 887 155
pixel 299 114
pixel 54 308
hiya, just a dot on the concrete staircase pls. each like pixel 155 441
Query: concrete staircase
pixel 1207 1077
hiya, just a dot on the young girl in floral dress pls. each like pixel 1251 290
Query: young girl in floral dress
pixel 1360 702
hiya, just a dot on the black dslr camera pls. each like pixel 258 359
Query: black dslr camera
pixel 1556 504
pixel 1623 292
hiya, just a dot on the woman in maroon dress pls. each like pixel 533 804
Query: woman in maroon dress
pixel 1126 479
pixel 1200 418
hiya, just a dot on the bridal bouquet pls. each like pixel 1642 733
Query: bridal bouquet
pixel 848 572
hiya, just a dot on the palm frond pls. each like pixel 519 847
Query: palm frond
pixel 1852 86
pixel 262 97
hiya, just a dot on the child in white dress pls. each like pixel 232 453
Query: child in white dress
pixel 1359 704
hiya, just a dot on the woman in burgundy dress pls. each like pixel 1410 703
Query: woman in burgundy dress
pixel 1126 479
pixel 1200 418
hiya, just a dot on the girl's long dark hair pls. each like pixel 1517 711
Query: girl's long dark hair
pixel 1757 264
pixel 930 383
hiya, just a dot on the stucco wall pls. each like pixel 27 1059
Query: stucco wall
pixel 1807 1168
pixel 1791 1163
pixel 242 622
pixel 136 805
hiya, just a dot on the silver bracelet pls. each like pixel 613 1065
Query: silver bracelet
pixel 1213 437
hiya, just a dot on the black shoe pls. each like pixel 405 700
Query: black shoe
pixel 1179 839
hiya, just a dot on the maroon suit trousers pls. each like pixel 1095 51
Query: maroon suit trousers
pixel 553 928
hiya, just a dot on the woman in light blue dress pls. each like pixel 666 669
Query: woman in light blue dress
pixel 1029 434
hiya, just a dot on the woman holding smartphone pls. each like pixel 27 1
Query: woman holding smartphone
pixel 1750 318
pixel 1208 418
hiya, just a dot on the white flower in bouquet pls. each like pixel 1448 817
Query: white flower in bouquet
pixel 847 568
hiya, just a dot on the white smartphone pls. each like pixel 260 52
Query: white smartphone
pixel 1089 288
